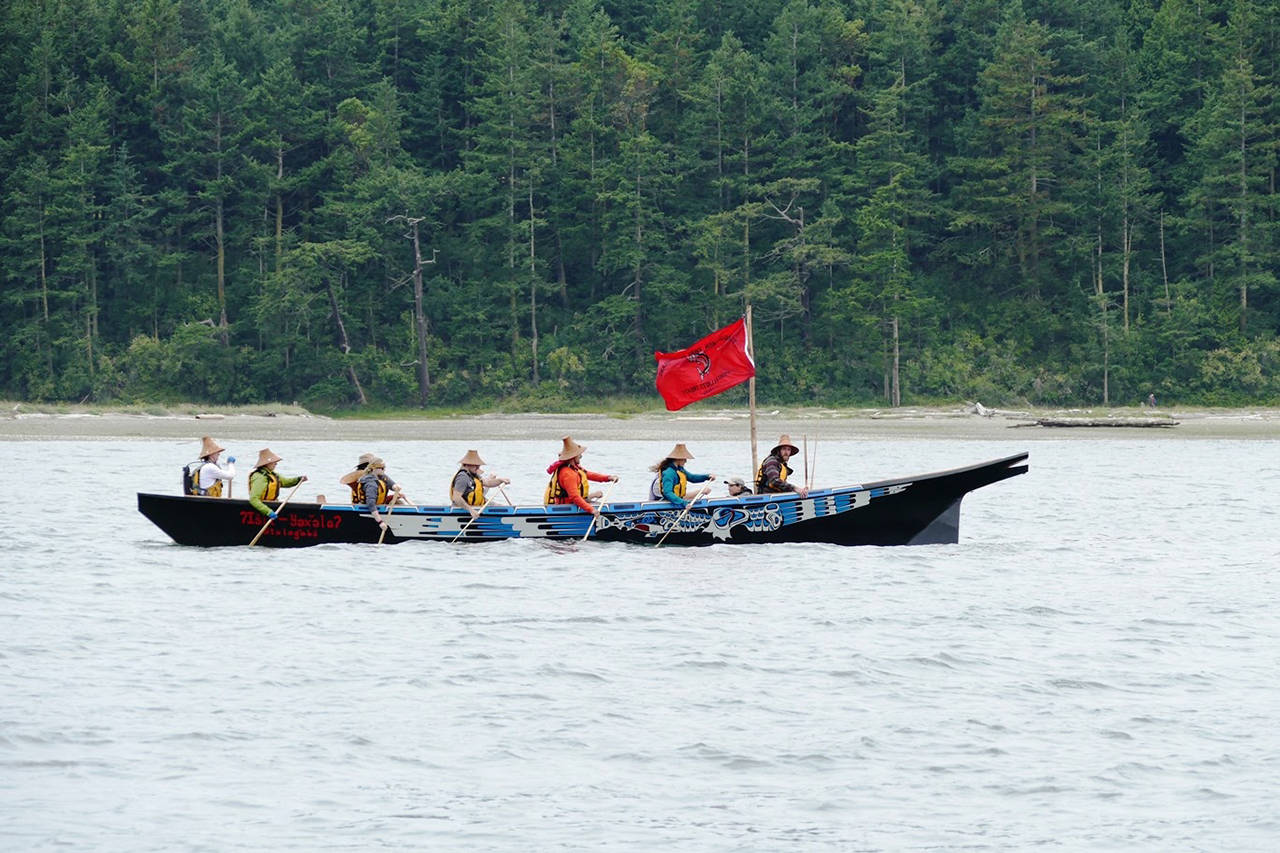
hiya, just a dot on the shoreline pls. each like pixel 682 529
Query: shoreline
pixel 941 423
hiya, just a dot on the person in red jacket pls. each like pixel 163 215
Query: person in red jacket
pixel 570 482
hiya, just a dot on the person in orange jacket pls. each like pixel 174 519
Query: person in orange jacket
pixel 570 482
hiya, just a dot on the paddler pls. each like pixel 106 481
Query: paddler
pixel 265 484
pixel 205 476
pixel 569 480
pixel 773 473
pixel 467 488
pixel 375 488
pixel 671 480
pixel 351 479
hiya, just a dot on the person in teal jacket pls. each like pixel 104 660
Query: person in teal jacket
pixel 671 482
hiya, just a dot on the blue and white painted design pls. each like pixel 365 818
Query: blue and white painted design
pixel 719 517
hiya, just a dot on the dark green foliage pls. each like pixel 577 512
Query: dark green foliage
pixel 1056 203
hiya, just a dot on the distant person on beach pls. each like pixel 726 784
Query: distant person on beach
pixel 569 482
pixel 205 476
pixel 467 488
pixel 265 483
pixel 737 487
pixel 671 480
pixel 773 473
pixel 1151 400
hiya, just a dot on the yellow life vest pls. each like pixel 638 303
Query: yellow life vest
pixel 556 495
pixel 273 484
pixel 473 495
pixel 214 491
pixel 681 486
pixel 783 471
pixel 359 497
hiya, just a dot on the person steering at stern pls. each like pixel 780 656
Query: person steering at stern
pixel 773 473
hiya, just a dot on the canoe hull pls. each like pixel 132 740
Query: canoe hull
pixel 912 511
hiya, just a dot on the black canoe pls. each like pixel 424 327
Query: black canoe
pixel 921 510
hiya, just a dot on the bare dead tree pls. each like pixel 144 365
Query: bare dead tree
pixel 419 314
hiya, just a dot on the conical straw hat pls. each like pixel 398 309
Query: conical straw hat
pixel 472 458
pixel 784 441
pixel 571 449
pixel 266 457
pixel 208 447
pixel 679 452
pixel 362 463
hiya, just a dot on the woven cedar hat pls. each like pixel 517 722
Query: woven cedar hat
pixel 362 463
pixel 784 441
pixel 571 449
pixel 472 458
pixel 266 457
pixel 679 452
pixel 208 447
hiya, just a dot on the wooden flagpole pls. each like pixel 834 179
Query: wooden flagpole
pixel 751 395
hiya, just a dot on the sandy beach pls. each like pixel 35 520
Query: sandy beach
pixel 829 424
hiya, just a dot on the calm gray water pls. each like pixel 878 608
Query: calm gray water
pixel 1092 667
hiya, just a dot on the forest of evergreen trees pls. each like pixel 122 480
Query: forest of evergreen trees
pixel 436 202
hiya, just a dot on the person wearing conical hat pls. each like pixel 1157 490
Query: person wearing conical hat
pixel 205 475
pixel 773 473
pixel 375 488
pixel 467 488
pixel 570 482
pixel 671 482
pixel 265 484
pixel 351 479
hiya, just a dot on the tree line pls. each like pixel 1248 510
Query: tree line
pixel 430 202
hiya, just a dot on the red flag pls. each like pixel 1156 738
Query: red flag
pixel 714 364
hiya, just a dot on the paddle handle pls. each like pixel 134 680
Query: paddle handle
pixel 472 520
pixel 269 520
pixel 680 517
pixel 383 534
pixel 603 498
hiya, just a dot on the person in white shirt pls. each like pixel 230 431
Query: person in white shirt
pixel 208 473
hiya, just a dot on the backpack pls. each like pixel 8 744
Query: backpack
pixel 191 477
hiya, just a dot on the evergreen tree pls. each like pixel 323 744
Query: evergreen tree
pixel 1233 202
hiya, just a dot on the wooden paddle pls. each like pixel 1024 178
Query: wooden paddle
pixel 805 444
pixel 680 517
pixel 604 498
pixel 269 520
pixel 505 497
pixel 473 519
pixel 394 498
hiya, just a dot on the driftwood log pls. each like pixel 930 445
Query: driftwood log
pixel 1101 422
